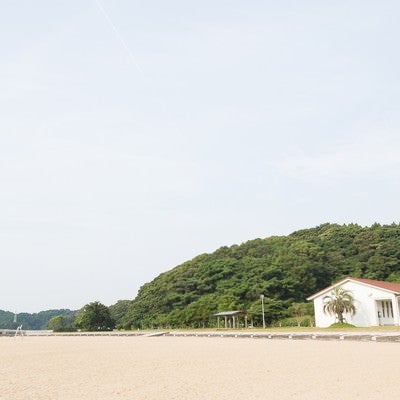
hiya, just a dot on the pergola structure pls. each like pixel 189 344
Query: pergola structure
pixel 231 319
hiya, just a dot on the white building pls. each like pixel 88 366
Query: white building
pixel 376 302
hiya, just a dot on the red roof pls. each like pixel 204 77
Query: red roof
pixel 393 287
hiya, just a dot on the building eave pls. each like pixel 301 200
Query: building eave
pixel 350 279
pixel 327 289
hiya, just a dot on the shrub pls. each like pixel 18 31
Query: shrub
pixel 305 321
pixel 338 325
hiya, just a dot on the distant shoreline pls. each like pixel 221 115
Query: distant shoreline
pixel 373 336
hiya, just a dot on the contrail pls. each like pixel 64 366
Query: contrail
pixel 119 36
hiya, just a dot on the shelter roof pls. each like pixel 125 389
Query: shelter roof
pixel 229 313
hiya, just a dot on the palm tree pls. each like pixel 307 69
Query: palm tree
pixel 338 302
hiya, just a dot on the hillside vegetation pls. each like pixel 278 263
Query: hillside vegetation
pixel 31 321
pixel 285 269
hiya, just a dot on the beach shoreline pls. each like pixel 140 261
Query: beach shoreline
pixel 140 367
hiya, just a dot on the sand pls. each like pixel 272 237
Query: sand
pixel 196 368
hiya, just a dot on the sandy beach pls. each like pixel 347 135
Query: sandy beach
pixel 195 368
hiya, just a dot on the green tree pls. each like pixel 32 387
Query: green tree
pixel 299 310
pixel 340 301
pixel 62 323
pixel 118 310
pixel 94 317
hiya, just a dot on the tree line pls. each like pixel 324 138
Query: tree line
pixel 31 321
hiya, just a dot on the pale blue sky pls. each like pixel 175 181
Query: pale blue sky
pixel 136 135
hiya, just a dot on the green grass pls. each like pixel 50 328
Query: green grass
pixel 338 325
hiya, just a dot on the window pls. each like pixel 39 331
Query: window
pixel 387 309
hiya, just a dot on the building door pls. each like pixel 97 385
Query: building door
pixel 385 312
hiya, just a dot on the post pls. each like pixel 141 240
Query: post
pixel 262 309
pixel 395 307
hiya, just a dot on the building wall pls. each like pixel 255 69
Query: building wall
pixel 365 302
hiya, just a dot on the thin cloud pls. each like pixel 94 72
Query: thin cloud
pixel 373 154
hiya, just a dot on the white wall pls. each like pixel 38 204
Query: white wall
pixel 365 302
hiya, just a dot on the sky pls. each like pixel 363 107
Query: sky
pixel 136 135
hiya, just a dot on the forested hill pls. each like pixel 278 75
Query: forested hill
pixel 285 269
pixel 31 321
